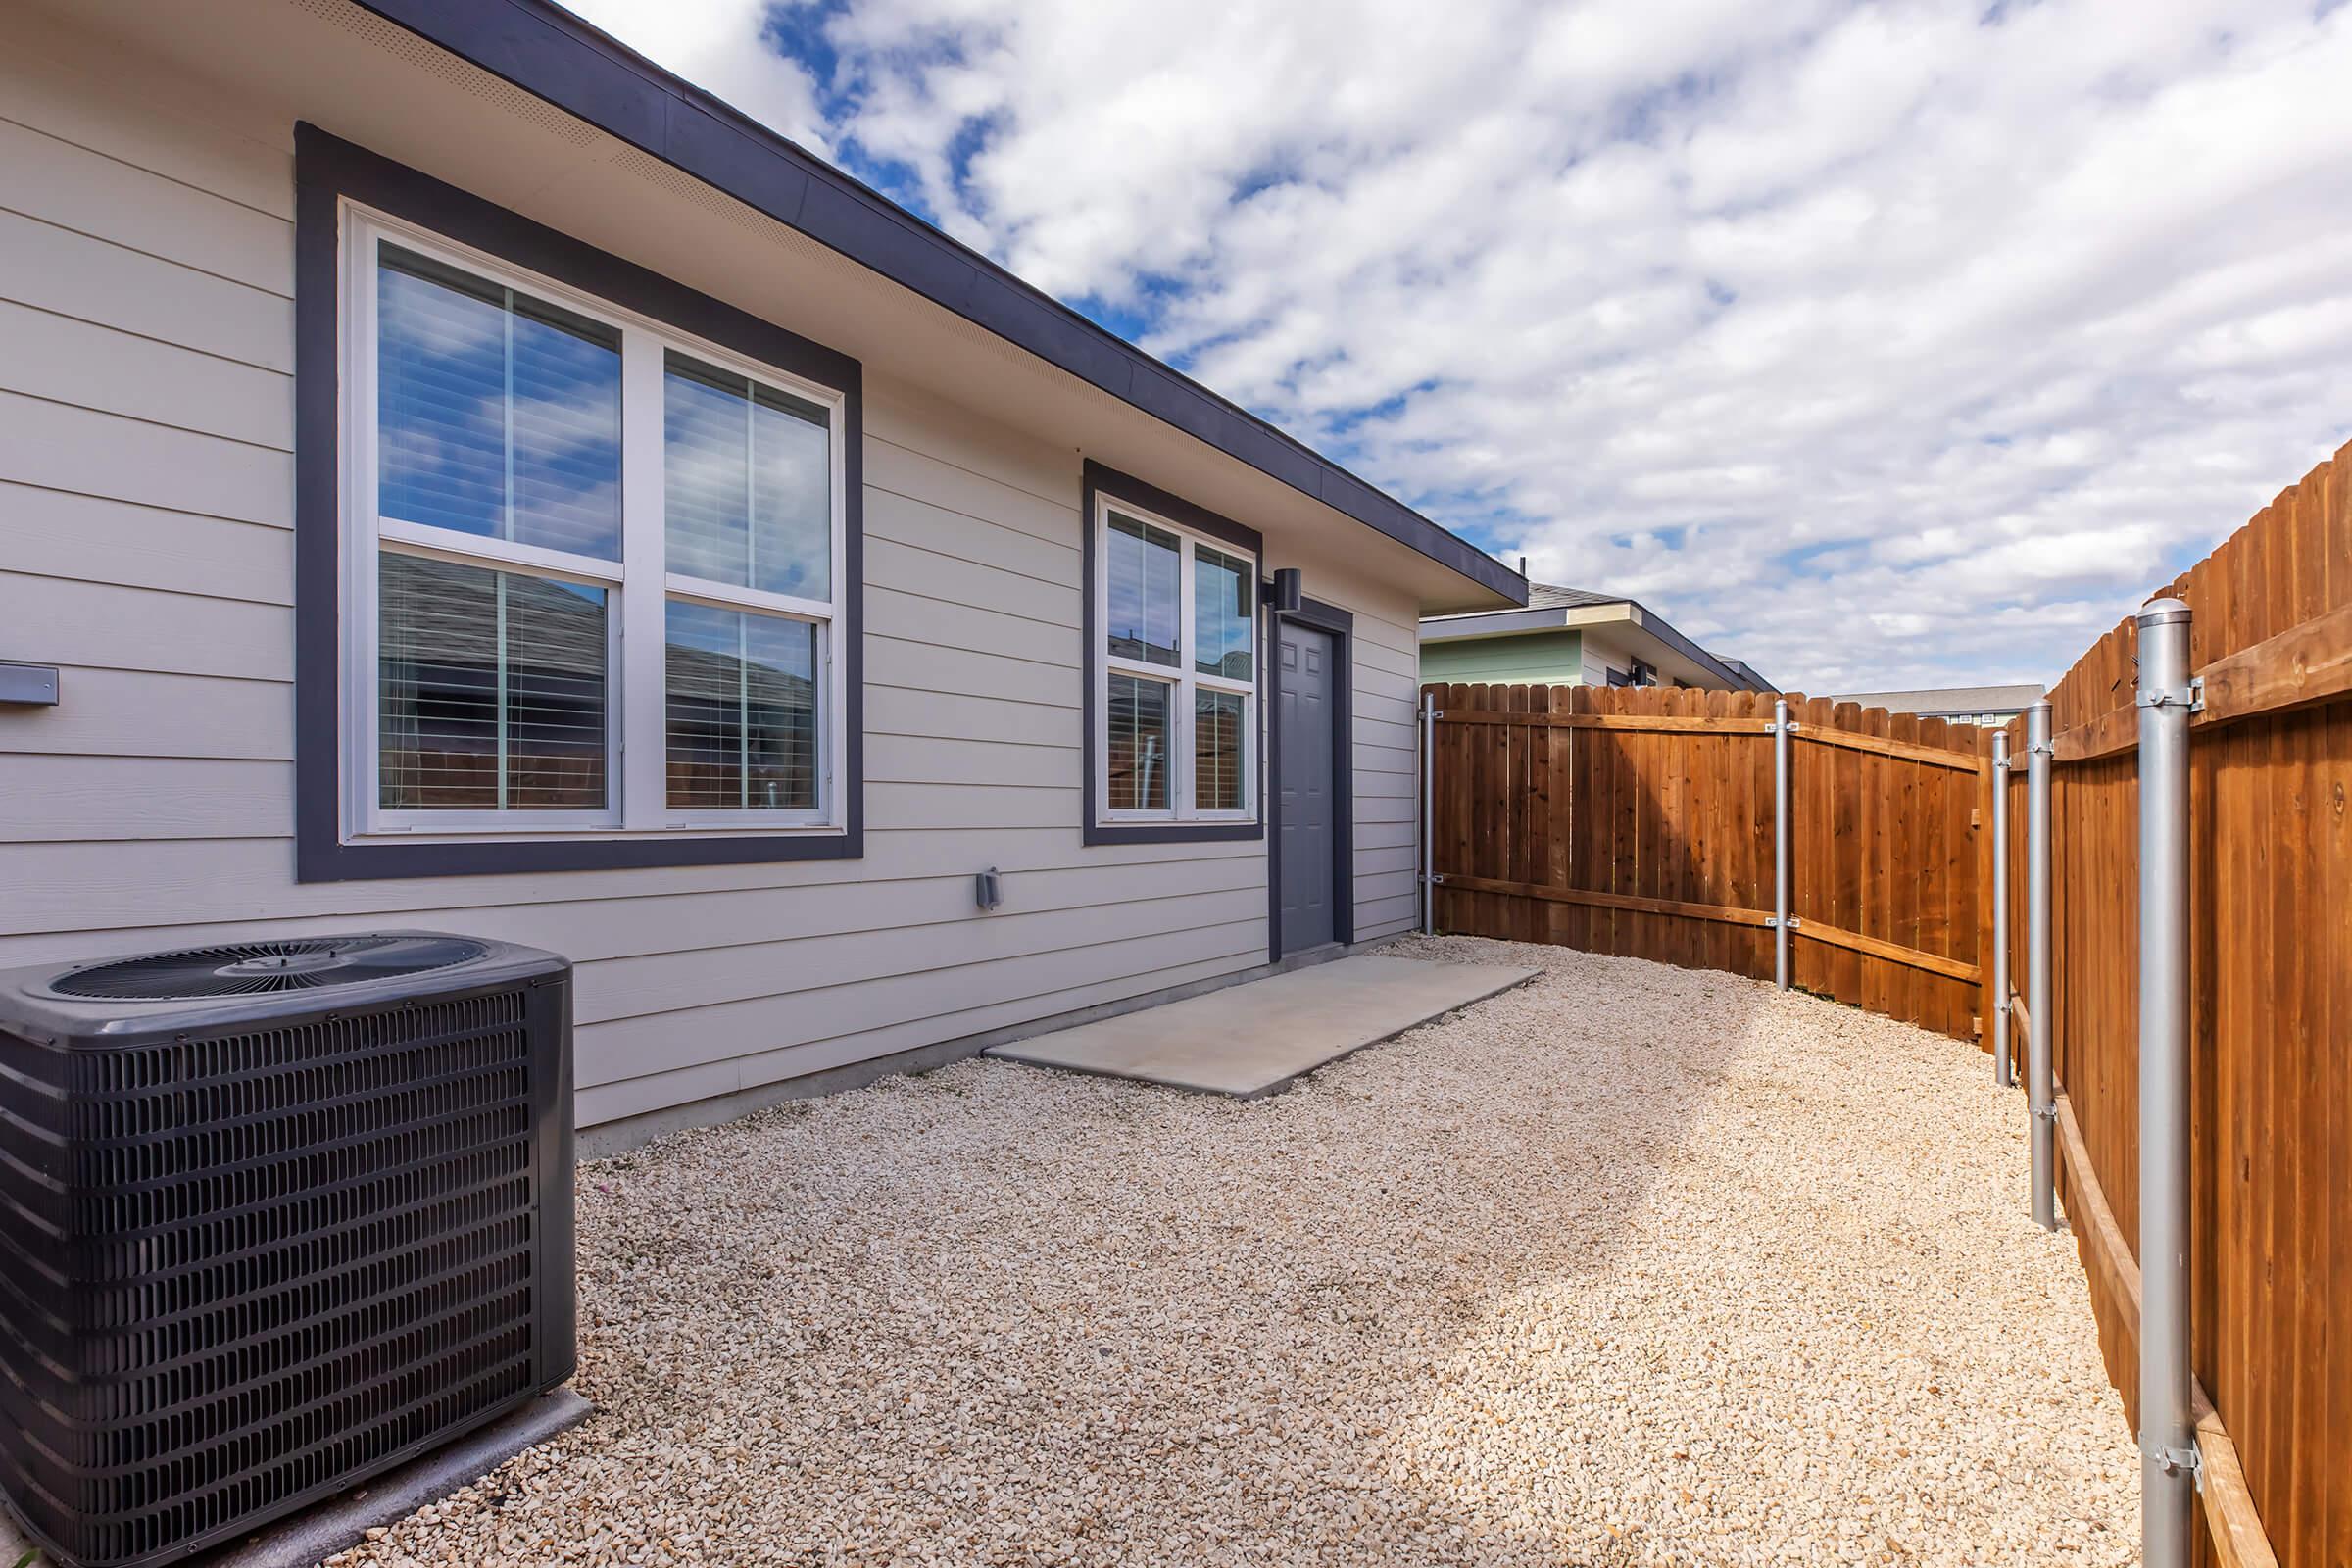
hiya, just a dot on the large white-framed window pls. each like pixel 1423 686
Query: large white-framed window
pixel 1175 673
pixel 594 570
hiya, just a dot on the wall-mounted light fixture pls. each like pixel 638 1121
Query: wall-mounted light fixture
pixel 1289 590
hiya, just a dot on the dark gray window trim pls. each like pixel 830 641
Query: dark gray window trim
pixel 553 55
pixel 1341 625
pixel 1100 481
pixel 327 170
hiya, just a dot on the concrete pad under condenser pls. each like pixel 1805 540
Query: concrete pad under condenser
pixel 1254 1039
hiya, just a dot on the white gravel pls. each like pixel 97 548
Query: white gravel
pixel 1632 1265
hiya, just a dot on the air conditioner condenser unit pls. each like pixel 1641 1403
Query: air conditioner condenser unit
pixel 274 1217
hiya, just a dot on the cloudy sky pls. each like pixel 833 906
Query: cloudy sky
pixel 1875 344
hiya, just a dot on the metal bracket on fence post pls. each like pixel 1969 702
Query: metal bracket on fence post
pixel 2039 1087
pixel 1781 923
pixel 2166 695
pixel 2003 1073
pixel 1428 774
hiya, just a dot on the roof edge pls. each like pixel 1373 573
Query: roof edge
pixel 557 57
pixel 1637 614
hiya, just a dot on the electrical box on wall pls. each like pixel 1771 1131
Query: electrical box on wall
pixel 33 685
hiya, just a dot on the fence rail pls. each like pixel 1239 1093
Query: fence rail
pixel 2270 1017
pixel 1641 822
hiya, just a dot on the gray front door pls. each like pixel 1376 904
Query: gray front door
pixel 1302 784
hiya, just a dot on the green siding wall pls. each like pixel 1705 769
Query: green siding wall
pixel 1536 659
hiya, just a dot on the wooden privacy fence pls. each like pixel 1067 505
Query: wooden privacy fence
pixel 1642 824
pixel 2270 923
pixel 1639 822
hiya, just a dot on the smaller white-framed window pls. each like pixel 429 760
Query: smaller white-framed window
pixel 1176 670
pixel 530 475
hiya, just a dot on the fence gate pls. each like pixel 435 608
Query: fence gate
pixel 1640 823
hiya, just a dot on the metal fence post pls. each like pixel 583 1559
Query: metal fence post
pixel 1428 776
pixel 2003 1073
pixel 1779 843
pixel 2041 1101
pixel 2167 1455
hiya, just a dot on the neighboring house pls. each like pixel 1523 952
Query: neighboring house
pixel 1966 704
pixel 473 479
pixel 1570 637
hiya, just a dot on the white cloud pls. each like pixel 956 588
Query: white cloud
pixel 1873 344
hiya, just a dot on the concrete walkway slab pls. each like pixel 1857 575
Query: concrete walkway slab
pixel 1254 1039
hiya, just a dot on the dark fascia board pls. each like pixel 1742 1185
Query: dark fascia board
pixel 326 171
pixel 553 55
pixel 1098 479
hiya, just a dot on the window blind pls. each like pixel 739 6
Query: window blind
pixel 491 689
pixel 1139 753
pixel 1217 750
pixel 742 711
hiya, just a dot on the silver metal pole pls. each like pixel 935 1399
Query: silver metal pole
pixel 1429 773
pixel 1779 843
pixel 2040 1098
pixel 2004 1072
pixel 2167 1455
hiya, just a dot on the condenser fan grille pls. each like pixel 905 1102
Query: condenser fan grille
pixel 249 968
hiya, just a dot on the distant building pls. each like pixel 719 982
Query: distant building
pixel 1573 637
pixel 1966 704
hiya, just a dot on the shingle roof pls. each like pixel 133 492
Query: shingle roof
pixel 1551 596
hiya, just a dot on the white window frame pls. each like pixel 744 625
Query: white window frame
pixel 639 586
pixel 1183 679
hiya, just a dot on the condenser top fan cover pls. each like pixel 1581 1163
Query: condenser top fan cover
pixel 251 968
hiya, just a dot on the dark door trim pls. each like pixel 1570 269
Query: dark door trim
pixel 1341 625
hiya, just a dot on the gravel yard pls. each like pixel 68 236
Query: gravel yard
pixel 1633 1264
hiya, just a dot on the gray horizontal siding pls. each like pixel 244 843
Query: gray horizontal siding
pixel 147 714
pixel 100 367
pixel 175 219
pixel 54 268
pixel 66 534
pixel 661 1087
pixel 106 893
pixel 1386 752
pixel 146 547
pixel 61 446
